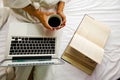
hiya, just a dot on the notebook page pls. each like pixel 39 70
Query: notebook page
pixel 94 31
pixel 87 48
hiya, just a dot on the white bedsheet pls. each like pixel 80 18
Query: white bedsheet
pixel 106 11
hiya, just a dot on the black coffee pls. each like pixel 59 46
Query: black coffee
pixel 54 22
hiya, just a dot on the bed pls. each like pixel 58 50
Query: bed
pixel 106 11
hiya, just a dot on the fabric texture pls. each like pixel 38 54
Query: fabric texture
pixel 17 5
pixel 4 14
pixel 106 11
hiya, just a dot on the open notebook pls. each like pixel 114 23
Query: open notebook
pixel 85 49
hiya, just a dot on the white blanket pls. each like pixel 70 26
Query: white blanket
pixel 106 11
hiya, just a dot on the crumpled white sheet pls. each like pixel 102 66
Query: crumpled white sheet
pixel 106 11
pixel 4 13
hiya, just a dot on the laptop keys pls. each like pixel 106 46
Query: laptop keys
pixel 26 45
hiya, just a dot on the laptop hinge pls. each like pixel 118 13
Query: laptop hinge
pixel 32 58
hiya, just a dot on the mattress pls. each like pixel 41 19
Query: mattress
pixel 106 11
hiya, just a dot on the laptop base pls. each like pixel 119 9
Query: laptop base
pixel 9 62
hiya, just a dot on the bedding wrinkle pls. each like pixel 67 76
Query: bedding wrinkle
pixel 110 15
pixel 116 71
pixel 106 11
pixel 98 73
pixel 111 70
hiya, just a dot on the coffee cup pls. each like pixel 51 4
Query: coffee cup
pixel 54 20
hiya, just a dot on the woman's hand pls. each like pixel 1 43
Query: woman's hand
pixel 60 12
pixel 63 19
pixel 43 16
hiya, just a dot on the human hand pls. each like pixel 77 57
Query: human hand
pixel 60 12
pixel 63 19
pixel 43 16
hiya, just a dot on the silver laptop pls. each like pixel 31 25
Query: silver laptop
pixel 30 44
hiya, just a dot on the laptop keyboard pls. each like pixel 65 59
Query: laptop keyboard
pixel 26 45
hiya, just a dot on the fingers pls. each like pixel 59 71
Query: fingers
pixel 48 27
pixel 62 24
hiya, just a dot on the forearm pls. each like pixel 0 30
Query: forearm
pixel 60 6
pixel 31 10
pixel 42 16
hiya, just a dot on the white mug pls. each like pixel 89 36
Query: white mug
pixel 54 20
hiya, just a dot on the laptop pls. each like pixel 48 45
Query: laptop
pixel 31 44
